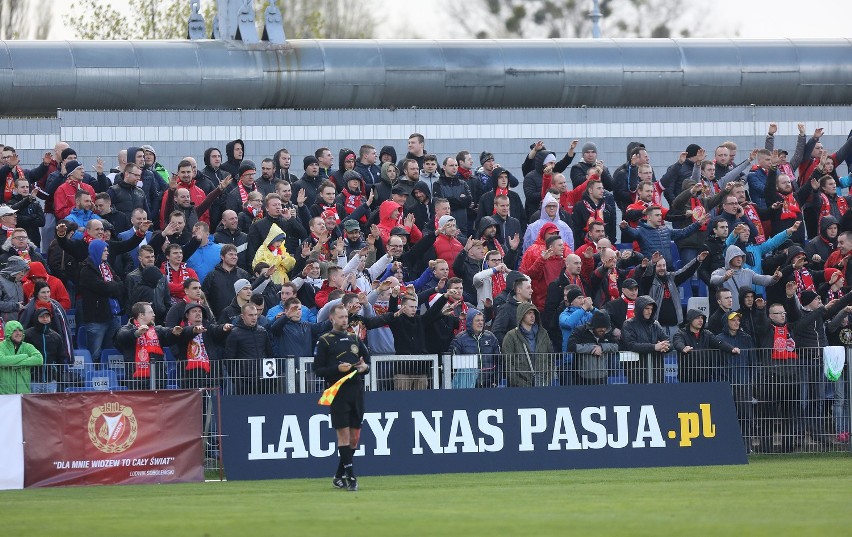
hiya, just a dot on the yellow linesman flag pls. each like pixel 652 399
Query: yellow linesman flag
pixel 331 392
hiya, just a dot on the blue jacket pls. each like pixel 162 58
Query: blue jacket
pixel 307 314
pixel 205 259
pixel 736 368
pixel 81 218
pixel 756 187
pixel 755 252
pixel 485 344
pixel 570 318
pixel 295 338
pixel 659 239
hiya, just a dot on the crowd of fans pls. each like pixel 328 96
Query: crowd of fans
pixel 227 261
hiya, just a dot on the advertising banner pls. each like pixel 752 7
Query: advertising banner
pixel 100 438
pixel 11 443
pixel 437 431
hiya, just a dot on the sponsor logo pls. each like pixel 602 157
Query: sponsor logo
pixel 112 427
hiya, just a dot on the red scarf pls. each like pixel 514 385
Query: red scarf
pixel 499 192
pixel 196 353
pixel 465 173
pixel 106 272
pixel 146 345
pixel 175 277
pixel 25 255
pixel 243 193
pixel 750 212
pixel 783 346
pixel 631 306
pixel 256 214
pixel 353 201
pixel 575 280
pixel 842 206
pixel 667 294
pixel 831 295
pixel 804 281
pixel 329 212
pixel 87 238
pixel 785 169
pixel 612 279
pixel 462 326
pixel 15 174
pixel 325 253
pixel 698 211
pixel 790 209
pixel 595 215
pixel 498 283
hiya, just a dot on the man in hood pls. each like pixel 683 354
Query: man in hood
pixel 11 289
pixel 477 341
pixel 742 238
pixel 235 152
pixel 593 345
pixel 534 179
pixel 536 249
pixel 821 247
pixel 16 359
pixel 488 231
pixel 549 215
pixel 734 275
pixel 519 290
pixel 527 349
pixel 696 361
pixel 645 336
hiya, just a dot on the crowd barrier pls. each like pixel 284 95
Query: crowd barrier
pixel 782 405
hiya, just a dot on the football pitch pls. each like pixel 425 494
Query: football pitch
pixel 773 496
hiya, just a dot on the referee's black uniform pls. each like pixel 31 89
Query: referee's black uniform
pixel 334 348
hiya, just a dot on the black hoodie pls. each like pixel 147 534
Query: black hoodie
pixel 821 245
pixel 232 165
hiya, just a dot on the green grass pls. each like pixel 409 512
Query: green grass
pixel 804 495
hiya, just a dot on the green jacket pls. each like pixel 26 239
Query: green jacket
pixel 523 368
pixel 15 363
pixel 161 172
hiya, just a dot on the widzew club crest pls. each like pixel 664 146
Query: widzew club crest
pixel 112 427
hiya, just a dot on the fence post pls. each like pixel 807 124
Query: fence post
pixel 290 368
pixel 849 393
pixel 447 364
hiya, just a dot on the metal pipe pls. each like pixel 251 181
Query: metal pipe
pixel 37 77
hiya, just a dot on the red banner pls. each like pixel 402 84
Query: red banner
pixel 103 438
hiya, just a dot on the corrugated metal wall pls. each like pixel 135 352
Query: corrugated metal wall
pixel 506 133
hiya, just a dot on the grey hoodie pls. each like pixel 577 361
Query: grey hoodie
pixel 742 276
pixel 11 292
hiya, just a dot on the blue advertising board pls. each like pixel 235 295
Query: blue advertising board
pixel 441 431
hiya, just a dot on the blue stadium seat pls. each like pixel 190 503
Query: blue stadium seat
pixel 172 382
pixel 81 363
pixel 98 380
pixel 113 360
pixel 82 339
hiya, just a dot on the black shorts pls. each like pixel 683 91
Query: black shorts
pixel 347 409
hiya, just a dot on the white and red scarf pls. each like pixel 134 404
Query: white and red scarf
pixel 783 346
pixel 631 306
pixel 804 281
pixel 146 345
pixel 196 353
pixel 750 211
pixel 15 174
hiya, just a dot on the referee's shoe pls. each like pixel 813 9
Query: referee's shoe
pixel 353 484
pixel 340 483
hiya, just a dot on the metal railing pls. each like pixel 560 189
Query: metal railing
pixel 782 404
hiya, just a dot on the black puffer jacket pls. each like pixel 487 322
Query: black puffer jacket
pixel 126 197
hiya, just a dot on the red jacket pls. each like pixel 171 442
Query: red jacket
pixel 532 255
pixel 447 248
pixel 57 288
pixel 63 198
pixel 195 194
pixel 568 199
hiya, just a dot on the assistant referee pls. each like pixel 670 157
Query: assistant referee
pixel 338 352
